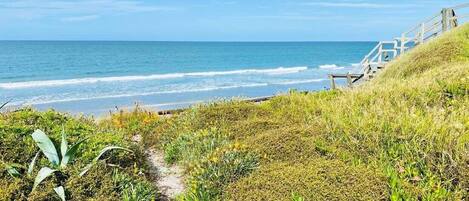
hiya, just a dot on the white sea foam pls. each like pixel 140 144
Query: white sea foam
pixel 300 82
pixel 355 65
pixel 331 67
pixel 49 100
pixel 92 80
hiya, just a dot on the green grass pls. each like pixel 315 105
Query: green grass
pixel 320 179
pixel 402 136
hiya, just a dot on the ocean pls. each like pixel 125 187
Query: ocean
pixel 94 77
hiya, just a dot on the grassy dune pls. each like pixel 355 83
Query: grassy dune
pixel 402 136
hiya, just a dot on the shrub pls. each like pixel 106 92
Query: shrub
pixel 139 121
pixel 132 189
pixel 212 161
pixel 284 144
pixel 97 184
pixel 209 177
pixel 191 147
pixel 316 179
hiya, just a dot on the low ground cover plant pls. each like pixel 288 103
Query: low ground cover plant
pixel 45 167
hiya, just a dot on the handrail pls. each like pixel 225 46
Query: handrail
pixel 464 5
pixel 424 31
pixel 460 16
pixel 371 53
pixel 425 21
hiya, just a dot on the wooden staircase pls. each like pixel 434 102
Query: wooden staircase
pixel 386 51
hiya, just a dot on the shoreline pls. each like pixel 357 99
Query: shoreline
pixel 100 107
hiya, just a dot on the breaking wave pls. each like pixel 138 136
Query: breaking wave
pixel 92 80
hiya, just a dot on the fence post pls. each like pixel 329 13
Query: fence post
pixel 453 20
pixel 380 53
pixel 403 42
pixel 349 80
pixel 422 33
pixel 332 81
pixel 444 19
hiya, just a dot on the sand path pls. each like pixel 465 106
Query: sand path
pixel 170 181
pixel 169 178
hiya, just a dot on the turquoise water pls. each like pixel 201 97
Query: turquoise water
pixel 94 77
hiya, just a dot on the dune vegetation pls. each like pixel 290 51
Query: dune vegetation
pixel 115 175
pixel 402 136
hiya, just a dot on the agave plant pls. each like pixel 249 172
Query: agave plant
pixel 12 169
pixel 59 161
pixel 4 104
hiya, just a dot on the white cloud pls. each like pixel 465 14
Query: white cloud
pixel 83 5
pixel 80 18
pixel 286 17
pixel 84 9
pixel 358 5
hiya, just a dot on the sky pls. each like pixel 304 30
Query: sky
pixel 213 20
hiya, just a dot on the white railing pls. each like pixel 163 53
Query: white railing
pixel 383 52
pixel 434 26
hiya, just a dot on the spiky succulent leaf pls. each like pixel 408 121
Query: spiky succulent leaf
pixel 12 169
pixel 64 143
pixel 60 192
pixel 41 175
pixel 4 104
pixel 86 169
pixel 70 154
pixel 32 164
pixel 103 151
pixel 46 146
pixel 106 149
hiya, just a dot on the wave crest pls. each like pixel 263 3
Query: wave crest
pixel 48 99
pixel 92 80
pixel 331 67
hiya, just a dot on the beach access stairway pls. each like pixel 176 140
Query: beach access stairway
pixel 386 51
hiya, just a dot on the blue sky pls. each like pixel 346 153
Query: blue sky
pixel 212 20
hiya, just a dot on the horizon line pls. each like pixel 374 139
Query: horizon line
pixel 190 41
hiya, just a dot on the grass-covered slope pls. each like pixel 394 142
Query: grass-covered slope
pixel 401 136
pixel 117 175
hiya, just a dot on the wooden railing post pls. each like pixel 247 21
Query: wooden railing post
pixel 444 19
pixel 380 53
pixel 332 81
pixel 453 20
pixel 403 42
pixel 349 80
pixel 422 33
